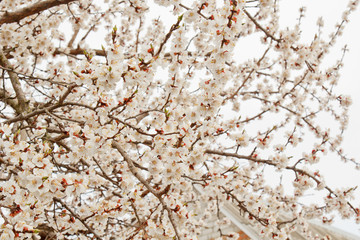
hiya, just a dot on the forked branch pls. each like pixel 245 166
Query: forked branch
pixel 20 96
pixel 157 194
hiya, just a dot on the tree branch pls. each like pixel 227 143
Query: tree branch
pixel 77 217
pixel 268 34
pixel 271 163
pixel 10 17
pixel 79 51
pixel 7 99
pixel 49 109
pixel 168 35
pixel 20 96
pixel 157 194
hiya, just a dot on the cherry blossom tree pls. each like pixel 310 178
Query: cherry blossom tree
pixel 148 132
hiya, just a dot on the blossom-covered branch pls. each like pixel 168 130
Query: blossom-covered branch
pixel 152 125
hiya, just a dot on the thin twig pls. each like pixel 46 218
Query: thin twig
pixel 77 217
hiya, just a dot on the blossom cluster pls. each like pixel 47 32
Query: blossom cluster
pixel 147 134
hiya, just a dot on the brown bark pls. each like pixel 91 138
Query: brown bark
pixel 15 82
pixel 10 17
pixel 80 51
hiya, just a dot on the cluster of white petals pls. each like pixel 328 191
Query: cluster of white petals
pixel 146 132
